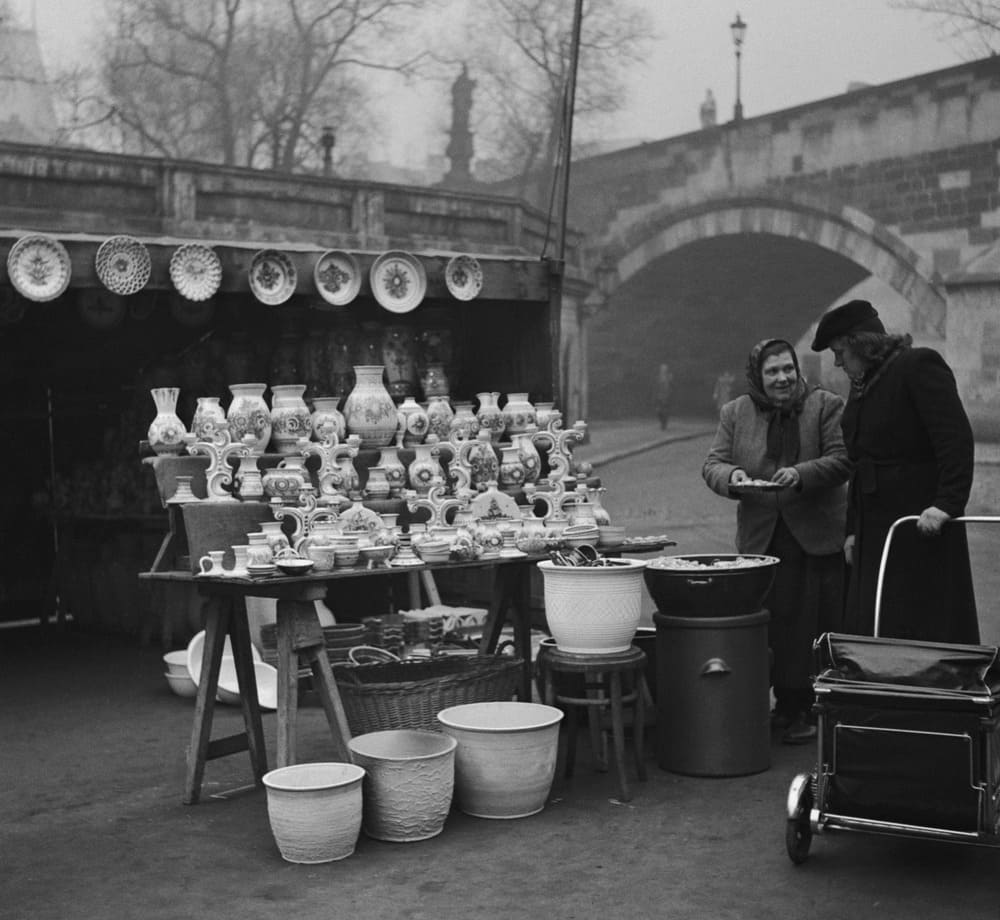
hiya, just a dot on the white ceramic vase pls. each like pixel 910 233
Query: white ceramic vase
pixel 290 417
pixel 593 609
pixel 395 472
pixel 506 756
pixel 315 810
pixel 369 410
pixel 464 425
pixel 208 416
pixel 424 467
pixel 327 420
pixel 166 431
pixel 518 413
pixel 439 416
pixel 409 781
pixel 490 415
pixel 248 414
pixel 413 422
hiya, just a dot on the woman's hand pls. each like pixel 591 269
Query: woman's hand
pixel 787 476
pixel 931 521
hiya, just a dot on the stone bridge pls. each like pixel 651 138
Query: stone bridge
pixel 739 231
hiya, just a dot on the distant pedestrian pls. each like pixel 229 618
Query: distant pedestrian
pixel 664 395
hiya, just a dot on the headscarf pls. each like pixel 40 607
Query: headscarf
pixel 783 421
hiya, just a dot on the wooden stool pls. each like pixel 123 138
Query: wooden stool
pixel 601 687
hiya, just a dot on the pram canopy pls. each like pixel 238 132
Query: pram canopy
pixel 922 668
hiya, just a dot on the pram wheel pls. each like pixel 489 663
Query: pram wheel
pixel 798 830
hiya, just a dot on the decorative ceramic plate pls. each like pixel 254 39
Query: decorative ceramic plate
pixel 123 265
pixel 398 281
pixel 39 267
pixel 272 277
pixel 338 277
pixel 195 271
pixel 464 277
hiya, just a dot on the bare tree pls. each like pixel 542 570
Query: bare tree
pixel 242 82
pixel 522 68
pixel 972 24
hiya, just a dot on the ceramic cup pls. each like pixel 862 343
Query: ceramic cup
pixel 239 569
pixel 211 564
pixel 323 556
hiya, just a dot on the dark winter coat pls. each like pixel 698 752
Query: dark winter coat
pixel 912 447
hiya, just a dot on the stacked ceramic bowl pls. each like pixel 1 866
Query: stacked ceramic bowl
pixel 578 534
pixel 177 674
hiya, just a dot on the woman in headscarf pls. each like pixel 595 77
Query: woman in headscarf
pixel 788 434
pixel 913 451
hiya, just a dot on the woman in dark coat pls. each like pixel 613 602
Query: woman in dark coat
pixel 909 438
pixel 788 433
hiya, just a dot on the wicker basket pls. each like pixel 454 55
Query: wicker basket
pixel 410 694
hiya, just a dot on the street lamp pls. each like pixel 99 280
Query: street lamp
pixel 739 29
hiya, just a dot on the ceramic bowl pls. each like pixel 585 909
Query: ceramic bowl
pixel 322 556
pixel 293 566
pixel 176 663
pixel 346 556
pixel 267 684
pixel 376 555
pixel 610 535
pixel 196 648
pixel 182 684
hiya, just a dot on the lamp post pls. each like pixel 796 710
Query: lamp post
pixel 739 29
pixel 327 140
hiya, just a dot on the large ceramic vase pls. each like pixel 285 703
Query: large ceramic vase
pixel 208 417
pixel 290 418
pixel 518 413
pixel 506 756
pixel 439 416
pixel 166 431
pixel 409 781
pixel 327 422
pixel 369 410
pixel 248 414
pixel 315 810
pixel 593 609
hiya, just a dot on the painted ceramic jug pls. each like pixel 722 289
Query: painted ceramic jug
pixel 518 413
pixel 369 410
pixel 208 417
pixel 166 431
pixel 490 415
pixel 290 417
pixel 249 414
pixel 327 421
pixel 413 422
pixel 439 416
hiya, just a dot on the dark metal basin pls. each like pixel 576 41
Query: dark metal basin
pixel 706 591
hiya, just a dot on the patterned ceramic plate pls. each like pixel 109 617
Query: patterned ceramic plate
pixel 464 277
pixel 272 277
pixel 398 281
pixel 39 267
pixel 338 277
pixel 123 265
pixel 195 271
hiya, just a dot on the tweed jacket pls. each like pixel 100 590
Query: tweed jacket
pixel 815 510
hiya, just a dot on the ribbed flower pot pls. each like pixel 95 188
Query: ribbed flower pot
pixel 315 810
pixel 409 780
pixel 593 609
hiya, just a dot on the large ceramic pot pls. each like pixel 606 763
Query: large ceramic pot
pixel 290 418
pixel 409 780
pixel 506 756
pixel 249 414
pixel 593 609
pixel 369 410
pixel 315 810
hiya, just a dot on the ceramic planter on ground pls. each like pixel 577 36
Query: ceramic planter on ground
pixel 315 810
pixel 593 609
pixel 409 780
pixel 506 756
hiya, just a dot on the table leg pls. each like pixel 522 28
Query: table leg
pixel 511 591
pixel 239 631
pixel 217 617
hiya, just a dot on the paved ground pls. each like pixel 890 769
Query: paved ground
pixel 93 827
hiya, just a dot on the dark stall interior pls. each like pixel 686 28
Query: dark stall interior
pixel 84 515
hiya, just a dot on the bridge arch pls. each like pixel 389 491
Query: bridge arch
pixel 843 230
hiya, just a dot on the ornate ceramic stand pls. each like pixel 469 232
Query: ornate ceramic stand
pixel 219 475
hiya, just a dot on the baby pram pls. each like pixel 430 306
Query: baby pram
pixel 907 739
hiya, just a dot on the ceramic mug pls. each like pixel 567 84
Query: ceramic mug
pixel 323 556
pixel 211 564
pixel 240 567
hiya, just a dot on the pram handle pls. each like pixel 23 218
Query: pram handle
pixel 965 519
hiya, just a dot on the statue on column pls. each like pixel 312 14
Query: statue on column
pixel 707 110
pixel 459 150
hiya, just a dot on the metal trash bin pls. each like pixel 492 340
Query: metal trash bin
pixel 713 694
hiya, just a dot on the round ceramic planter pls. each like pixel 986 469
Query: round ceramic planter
pixel 506 756
pixel 409 780
pixel 315 810
pixel 593 609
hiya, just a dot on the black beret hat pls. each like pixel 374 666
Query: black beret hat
pixel 854 316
